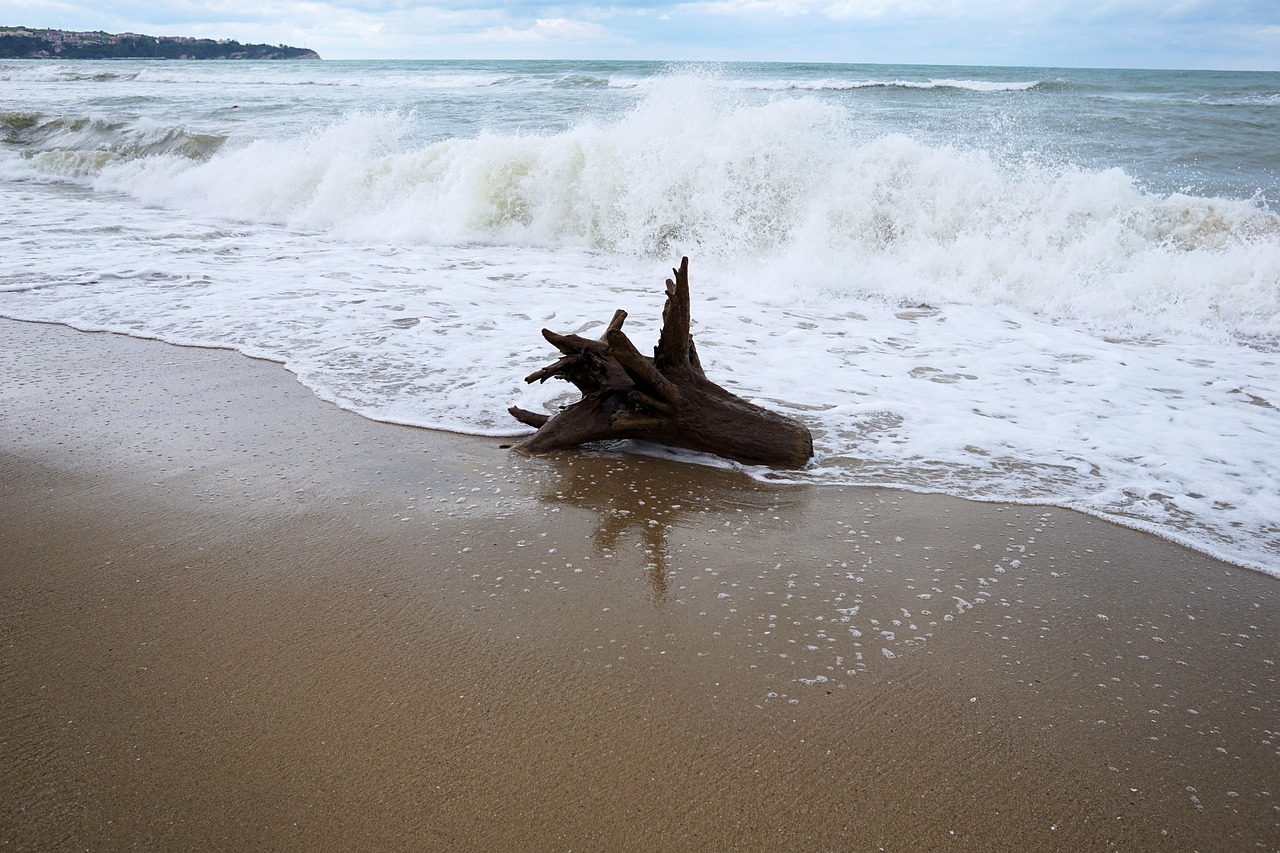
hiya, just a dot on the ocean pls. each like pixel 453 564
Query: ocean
pixel 1027 285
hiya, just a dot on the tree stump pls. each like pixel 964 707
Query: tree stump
pixel 666 399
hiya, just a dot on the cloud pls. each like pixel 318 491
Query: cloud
pixel 748 8
pixel 551 29
pixel 1113 33
pixel 868 10
pixel 906 10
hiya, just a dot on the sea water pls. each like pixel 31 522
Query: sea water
pixel 1033 285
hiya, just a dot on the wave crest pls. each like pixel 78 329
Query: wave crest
pixel 80 146
pixel 842 85
pixel 793 189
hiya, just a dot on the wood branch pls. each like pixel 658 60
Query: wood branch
pixel 572 344
pixel 616 323
pixel 533 419
pixel 672 353
pixel 665 399
pixel 564 364
pixel 643 372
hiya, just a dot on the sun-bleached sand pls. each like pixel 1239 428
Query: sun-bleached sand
pixel 237 618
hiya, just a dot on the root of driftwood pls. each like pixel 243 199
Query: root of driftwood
pixel 666 399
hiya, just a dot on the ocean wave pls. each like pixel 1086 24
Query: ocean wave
pixel 82 146
pixel 45 71
pixel 440 81
pixel 832 84
pixel 153 73
pixel 1256 100
pixel 216 74
pixel 792 188
pixel 582 81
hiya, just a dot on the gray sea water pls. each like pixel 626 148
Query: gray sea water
pixel 1055 286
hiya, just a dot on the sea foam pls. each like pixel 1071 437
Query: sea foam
pixel 794 187
pixel 948 317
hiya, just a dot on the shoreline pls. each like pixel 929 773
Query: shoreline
pixel 238 616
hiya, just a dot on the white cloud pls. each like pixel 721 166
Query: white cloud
pixel 937 11
pixel 551 29
pixel 1129 33
pixel 750 8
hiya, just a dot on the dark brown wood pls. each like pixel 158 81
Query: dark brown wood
pixel 666 399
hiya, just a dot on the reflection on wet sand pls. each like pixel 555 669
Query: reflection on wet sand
pixel 642 500
pixel 757 574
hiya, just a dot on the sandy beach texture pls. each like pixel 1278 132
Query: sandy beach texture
pixel 235 617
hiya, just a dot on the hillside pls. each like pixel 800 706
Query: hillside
pixel 24 43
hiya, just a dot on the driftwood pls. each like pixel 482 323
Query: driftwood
pixel 666 399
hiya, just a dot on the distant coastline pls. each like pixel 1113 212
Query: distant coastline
pixel 26 43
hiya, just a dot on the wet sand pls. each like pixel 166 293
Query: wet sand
pixel 235 617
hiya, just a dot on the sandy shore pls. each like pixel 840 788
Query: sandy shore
pixel 237 618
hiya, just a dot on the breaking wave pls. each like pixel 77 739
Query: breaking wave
pixel 793 188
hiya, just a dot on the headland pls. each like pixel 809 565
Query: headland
pixel 27 43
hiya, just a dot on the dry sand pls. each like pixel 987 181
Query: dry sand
pixel 235 617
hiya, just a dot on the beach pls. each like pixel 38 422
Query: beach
pixel 952 275
pixel 238 617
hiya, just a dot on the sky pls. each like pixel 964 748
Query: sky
pixel 1191 34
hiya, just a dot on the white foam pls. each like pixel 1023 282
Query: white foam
pixel 945 320
pixel 788 186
